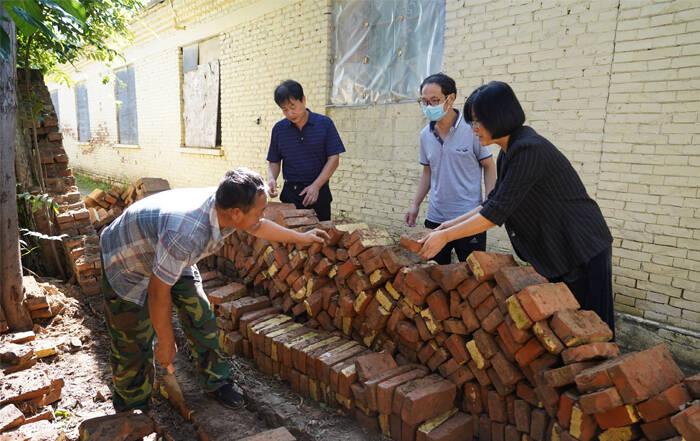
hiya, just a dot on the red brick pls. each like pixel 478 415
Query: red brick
pixel 480 374
pixel 693 385
pixel 480 293
pixel 524 391
pixel 498 384
pixel 538 424
pixel 520 336
pixel 645 374
pixel 369 422
pixel 484 309
pixel 450 276
pixel 370 259
pixel 497 407
pixel 620 416
pixel 486 343
pixel 664 404
pixel 547 337
pixel 507 373
pixel 424 398
pixel 509 345
pixel 659 430
pixel 465 288
pixel 423 331
pixel 410 240
pixel 522 416
pixel 541 301
pixel 371 385
pixel 438 304
pixel 566 402
pixel 484 265
pixel 407 331
pixel 590 351
pixel 530 351
pixel 372 365
pixel 511 433
pixel 565 375
pixel 439 357
pixel 395 258
pixel 469 317
pixel 484 428
pixel 386 389
pixel 419 281
pixel 687 422
pixel 600 401
pixel 583 427
pixel 578 327
pixel 497 431
pixel 448 368
pixel 491 322
pixel 453 326
pixel 456 344
pixel 459 427
pixel 597 377
pixel 513 279
pixel 471 398
pixel 461 376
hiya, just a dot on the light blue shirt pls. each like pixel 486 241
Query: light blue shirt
pixel 164 235
pixel 455 171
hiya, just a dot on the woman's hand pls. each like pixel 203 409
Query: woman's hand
pixel 432 244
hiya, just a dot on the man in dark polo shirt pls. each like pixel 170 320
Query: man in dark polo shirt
pixel 307 147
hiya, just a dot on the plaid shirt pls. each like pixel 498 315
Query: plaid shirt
pixel 164 235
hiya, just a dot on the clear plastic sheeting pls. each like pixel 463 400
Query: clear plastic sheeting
pixel 384 48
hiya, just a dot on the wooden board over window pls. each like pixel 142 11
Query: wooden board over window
pixel 201 93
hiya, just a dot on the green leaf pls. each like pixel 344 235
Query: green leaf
pixel 72 7
pixel 26 8
pixel 32 23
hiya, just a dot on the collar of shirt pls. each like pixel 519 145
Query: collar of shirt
pixel 309 122
pixel 516 135
pixel 452 129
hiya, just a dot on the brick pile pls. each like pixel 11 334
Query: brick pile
pixel 485 348
pixel 105 206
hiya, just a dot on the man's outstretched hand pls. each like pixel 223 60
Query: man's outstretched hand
pixel 315 235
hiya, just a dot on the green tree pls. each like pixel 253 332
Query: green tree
pixel 42 34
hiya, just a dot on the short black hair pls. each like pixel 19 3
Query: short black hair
pixel 470 102
pixel 447 84
pixel 498 109
pixel 239 188
pixel 288 89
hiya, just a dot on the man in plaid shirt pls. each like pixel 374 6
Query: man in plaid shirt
pixel 150 254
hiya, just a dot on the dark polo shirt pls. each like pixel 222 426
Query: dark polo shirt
pixel 304 152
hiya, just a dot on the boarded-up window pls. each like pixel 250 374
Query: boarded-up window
pixel 125 97
pixel 201 94
pixel 83 112
pixel 54 101
pixel 383 49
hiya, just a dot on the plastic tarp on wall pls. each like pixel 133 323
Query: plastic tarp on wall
pixel 384 49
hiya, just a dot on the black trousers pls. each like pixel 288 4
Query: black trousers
pixel 463 247
pixel 591 284
pixel 290 195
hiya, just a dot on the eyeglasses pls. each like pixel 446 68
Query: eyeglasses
pixel 476 124
pixel 431 102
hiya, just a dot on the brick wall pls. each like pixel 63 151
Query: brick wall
pixel 613 85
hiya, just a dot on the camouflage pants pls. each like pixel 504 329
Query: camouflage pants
pixel 131 332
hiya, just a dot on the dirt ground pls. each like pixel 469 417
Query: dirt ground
pixel 86 393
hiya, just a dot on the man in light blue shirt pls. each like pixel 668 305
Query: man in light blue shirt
pixel 452 160
pixel 149 255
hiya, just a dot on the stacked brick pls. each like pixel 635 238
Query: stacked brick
pixel 420 351
pixel 105 206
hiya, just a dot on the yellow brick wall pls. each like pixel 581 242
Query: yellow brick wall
pixel 615 87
